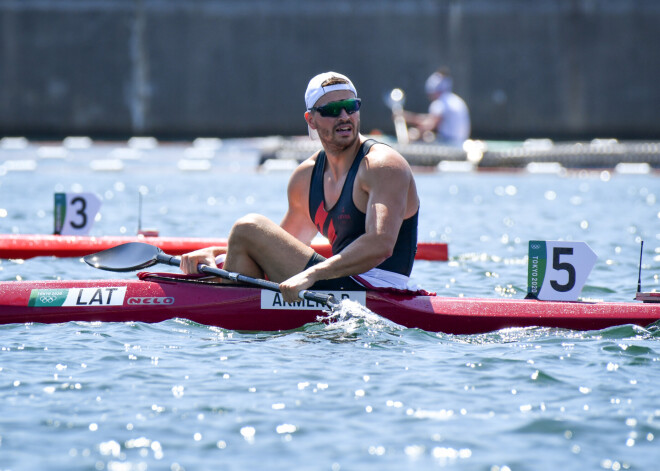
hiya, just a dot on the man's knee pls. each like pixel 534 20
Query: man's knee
pixel 249 225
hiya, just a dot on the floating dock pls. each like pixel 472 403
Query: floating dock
pixel 534 155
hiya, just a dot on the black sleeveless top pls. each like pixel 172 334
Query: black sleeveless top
pixel 344 223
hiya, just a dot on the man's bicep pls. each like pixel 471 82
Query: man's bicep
pixel 296 221
pixel 387 201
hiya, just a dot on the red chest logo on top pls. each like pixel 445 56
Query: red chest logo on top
pixel 320 218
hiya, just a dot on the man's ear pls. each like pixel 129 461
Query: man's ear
pixel 308 118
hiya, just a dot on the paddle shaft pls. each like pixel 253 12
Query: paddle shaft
pixel 395 102
pixel 326 299
pixel 400 125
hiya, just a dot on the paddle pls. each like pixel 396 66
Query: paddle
pixel 395 100
pixel 138 255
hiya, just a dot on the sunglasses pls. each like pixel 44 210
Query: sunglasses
pixel 333 109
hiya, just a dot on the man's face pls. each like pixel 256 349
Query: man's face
pixel 340 131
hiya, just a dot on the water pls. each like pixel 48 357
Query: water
pixel 361 393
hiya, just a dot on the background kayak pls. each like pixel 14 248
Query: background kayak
pixel 25 246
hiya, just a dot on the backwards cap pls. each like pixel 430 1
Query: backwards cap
pixel 315 88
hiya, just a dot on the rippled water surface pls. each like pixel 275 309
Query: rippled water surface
pixel 362 393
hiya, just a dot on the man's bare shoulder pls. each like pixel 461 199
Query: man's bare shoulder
pixel 303 172
pixel 306 166
pixel 384 156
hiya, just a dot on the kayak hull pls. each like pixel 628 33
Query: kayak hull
pixel 244 309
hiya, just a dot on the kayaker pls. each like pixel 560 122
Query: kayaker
pixel 357 192
pixel 448 115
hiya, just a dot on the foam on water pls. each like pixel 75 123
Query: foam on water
pixel 352 316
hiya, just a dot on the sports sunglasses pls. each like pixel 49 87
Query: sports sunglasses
pixel 333 109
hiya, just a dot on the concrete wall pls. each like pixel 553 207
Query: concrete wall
pixel 187 68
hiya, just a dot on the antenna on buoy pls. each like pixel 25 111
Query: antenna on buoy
pixel 652 297
pixel 139 228
pixel 639 278
pixel 140 231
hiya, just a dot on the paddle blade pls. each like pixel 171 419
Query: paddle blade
pixel 126 257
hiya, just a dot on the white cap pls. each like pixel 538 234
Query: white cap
pixel 315 90
pixel 438 83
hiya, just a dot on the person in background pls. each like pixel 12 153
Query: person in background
pixel 448 115
pixel 358 193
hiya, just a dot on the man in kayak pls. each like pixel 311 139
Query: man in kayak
pixel 358 193
pixel 448 115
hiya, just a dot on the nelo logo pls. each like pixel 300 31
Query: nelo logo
pixel 167 300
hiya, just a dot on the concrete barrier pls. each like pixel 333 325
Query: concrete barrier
pixel 182 68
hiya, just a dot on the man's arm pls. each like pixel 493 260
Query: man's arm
pixel 422 121
pixel 297 221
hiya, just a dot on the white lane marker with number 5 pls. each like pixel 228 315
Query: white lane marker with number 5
pixel 558 270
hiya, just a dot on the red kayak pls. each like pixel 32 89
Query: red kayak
pixel 24 246
pixel 158 297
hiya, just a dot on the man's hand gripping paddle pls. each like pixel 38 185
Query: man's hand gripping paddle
pixel 139 255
